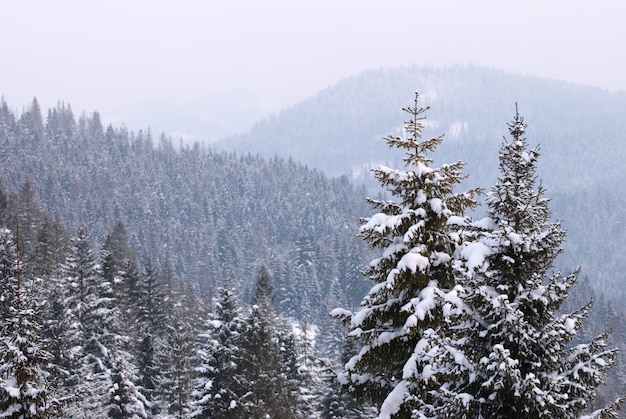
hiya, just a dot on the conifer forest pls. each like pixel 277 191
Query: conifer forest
pixel 419 273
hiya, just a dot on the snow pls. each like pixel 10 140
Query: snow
pixel 570 326
pixel 413 261
pixel 394 400
pixel 392 249
pixel 359 317
pixel 410 322
pixel 419 170
pixel 376 288
pixel 342 378
pixel 515 238
pixel 423 304
pixel 600 361
pixel 216 324
pixel 528 157
pixel 454 304
pixel 381 222
pixel 436 205
pixel 428 372
pixel 340 313
pixel 409 369
pixel 485 223
pixel 386 337
pixel 413 232
pixel 465 398
pixel 455 220
pixel 427 300
pixel 475 254
pixel 421 197
pixel 357 358
pixel 439 258
pixel 11 387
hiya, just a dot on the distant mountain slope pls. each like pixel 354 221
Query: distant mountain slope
pixel 339 130
pixel 581 130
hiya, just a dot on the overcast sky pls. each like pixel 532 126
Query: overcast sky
pixel 117 55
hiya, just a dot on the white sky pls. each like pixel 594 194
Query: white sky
pixel 114 55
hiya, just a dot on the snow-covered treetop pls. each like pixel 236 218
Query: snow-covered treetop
pixel 415 291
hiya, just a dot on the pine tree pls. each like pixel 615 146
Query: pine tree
pixel 221 387
pixel 50 249
pixel 306 287
pixel 262 364
pixel 4 205
pixel 403 324
pixel 335 402
pixel 116 245
pixel 126 401
pixel 25 391
pixel 178 352
pixel 519 344
pixel 29 217
pixel 303 367
pixel 93 342
pixel 150 337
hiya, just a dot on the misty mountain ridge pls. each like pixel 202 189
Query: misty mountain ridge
pixel 340 130
pixel 580 130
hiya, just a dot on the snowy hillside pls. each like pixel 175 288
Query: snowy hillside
pixel 580 129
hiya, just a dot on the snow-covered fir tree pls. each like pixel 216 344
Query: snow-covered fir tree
pixel 25 389
pixel 406 363
pixel 221 387
pixel 301 364
pixel 125 399
pixel 178 355
pixel 94 343
pixel 523 364
pixel 149 341
pixel 262 364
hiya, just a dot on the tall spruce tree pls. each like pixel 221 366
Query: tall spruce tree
pixel 25 391
pixel 93 340
pixel 404 321
pixel 125 399
pixel 178 351
pixel 519 344
pixel 150 337
pixel 221 387
pixel 262 362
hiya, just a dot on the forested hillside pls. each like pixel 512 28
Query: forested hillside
pixel 90 333
pixel 155 263
pixel 132 272
pixel 339 129
pixel 212 216
pixel 580 130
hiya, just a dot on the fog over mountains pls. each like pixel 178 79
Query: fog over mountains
pixel 339 130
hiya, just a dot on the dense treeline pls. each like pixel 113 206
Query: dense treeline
pixel 123 247
pixel 97 333
pixel 213 216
